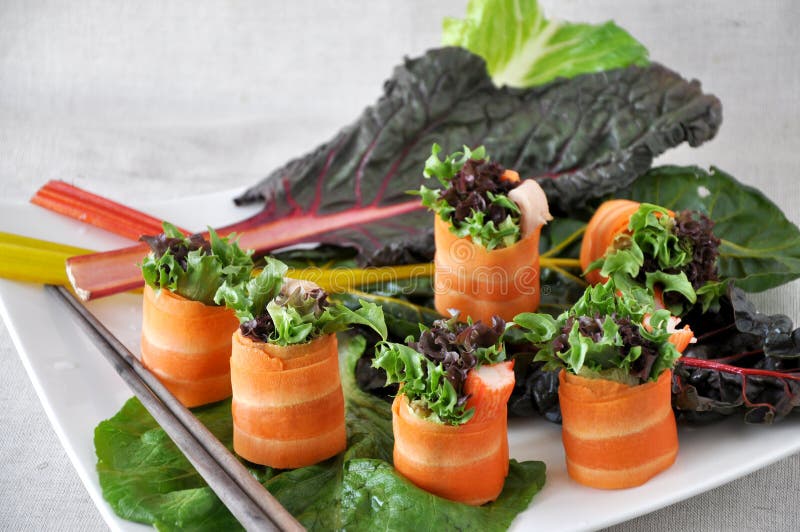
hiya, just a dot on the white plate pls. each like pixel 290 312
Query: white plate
pixel 78 389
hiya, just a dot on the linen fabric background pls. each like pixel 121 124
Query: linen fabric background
pixel 136 100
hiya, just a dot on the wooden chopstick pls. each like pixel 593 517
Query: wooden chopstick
pixel 245 497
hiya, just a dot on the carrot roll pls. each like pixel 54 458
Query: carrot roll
pixel 615 352
pixel 186 336
pixel 614 435
pixel 288 406
pixel 486 231
pixel 187 345
pixel 449 419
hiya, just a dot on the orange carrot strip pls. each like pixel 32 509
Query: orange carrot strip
pixel 610 219
pixel 616 436
pixel 290 422
pixel 288 405
pixel 284 387
pixel 473 468
pixel 480 283
pixel 681 339
pixel 196 392
pixel 289 454
pixel 510 175
pixel 186 344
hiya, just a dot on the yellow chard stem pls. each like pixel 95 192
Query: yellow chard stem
pixel 338 280
pixel 34 260
pixel 564 243
pixel 546 262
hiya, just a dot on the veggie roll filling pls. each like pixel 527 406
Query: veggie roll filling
pixel 674 254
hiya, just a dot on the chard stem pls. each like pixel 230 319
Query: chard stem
pixel 564 243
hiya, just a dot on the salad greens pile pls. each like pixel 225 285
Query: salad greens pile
pixel 603 336
pixel 434 368
pixel 281 311
pixel 145 477
pixel 194 267
pixel 678 253
pixel 474 201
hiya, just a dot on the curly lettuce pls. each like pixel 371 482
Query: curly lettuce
pixel 660 249
pixel 604 336
pixel 281 311
pixel 474 200
pixel 434 368
pixel 192 266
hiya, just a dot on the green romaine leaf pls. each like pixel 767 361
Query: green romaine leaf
pixel 760 247
pixel 523 49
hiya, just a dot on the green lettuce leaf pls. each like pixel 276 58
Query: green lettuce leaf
pixel 377 498
pixel 177 264
pixel 652 235
pixel 523 49
pixel 760 247
pixel 249 298
pixel 598 353
pixel 145 478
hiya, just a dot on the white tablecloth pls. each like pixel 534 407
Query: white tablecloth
pixel 132 99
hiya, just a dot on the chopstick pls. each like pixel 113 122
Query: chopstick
pixel 245 497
